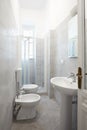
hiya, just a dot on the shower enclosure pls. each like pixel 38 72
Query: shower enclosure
pixel 32 59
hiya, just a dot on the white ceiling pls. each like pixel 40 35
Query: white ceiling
pixel 33 4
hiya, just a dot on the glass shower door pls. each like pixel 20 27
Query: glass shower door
pixel 28 70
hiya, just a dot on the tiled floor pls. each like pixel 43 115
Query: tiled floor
pixel 47 118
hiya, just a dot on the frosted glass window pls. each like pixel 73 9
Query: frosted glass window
pixel 28 45
pixel 28 33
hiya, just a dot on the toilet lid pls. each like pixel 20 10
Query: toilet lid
pixel 29 86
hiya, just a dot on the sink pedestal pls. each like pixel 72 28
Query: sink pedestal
pixel 66 112
pixel 67 90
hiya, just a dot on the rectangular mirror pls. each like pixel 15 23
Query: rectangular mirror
pixel 73 37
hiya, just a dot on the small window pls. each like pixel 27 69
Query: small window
pixel 27 33
pixel 28 45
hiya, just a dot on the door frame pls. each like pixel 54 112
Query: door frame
pixel 81 39
pixel 81 55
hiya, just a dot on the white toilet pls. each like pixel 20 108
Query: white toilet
pixel 27 88
pixel 30 88
pixel 28 104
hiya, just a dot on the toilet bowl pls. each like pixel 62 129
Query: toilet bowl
pixel 30 88
pixel 28 104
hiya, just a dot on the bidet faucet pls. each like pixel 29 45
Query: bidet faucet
pixel 17 93
pixel 72 76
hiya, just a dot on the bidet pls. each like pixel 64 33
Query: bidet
pixel 28 104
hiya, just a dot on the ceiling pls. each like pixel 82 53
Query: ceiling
pixel 33 4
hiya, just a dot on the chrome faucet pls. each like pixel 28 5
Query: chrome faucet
pixel 72 76
pixel 17 89
pixel 17 93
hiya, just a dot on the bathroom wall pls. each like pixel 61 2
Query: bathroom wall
pixel 63 65
pixel 47 18
pixel 8 62
pixel 56 11
pixel 35 18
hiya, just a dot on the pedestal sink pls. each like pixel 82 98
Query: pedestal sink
pixel 67 89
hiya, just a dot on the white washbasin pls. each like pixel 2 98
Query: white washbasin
pixel 67 90
pixel 65 85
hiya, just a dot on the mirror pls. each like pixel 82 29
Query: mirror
pixel 73 37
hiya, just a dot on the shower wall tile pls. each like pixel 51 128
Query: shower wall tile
pixel 40 61
pixel 32 71
pixel 8 63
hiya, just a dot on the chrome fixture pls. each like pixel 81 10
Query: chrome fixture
pixel 19 92
pixel 72 76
